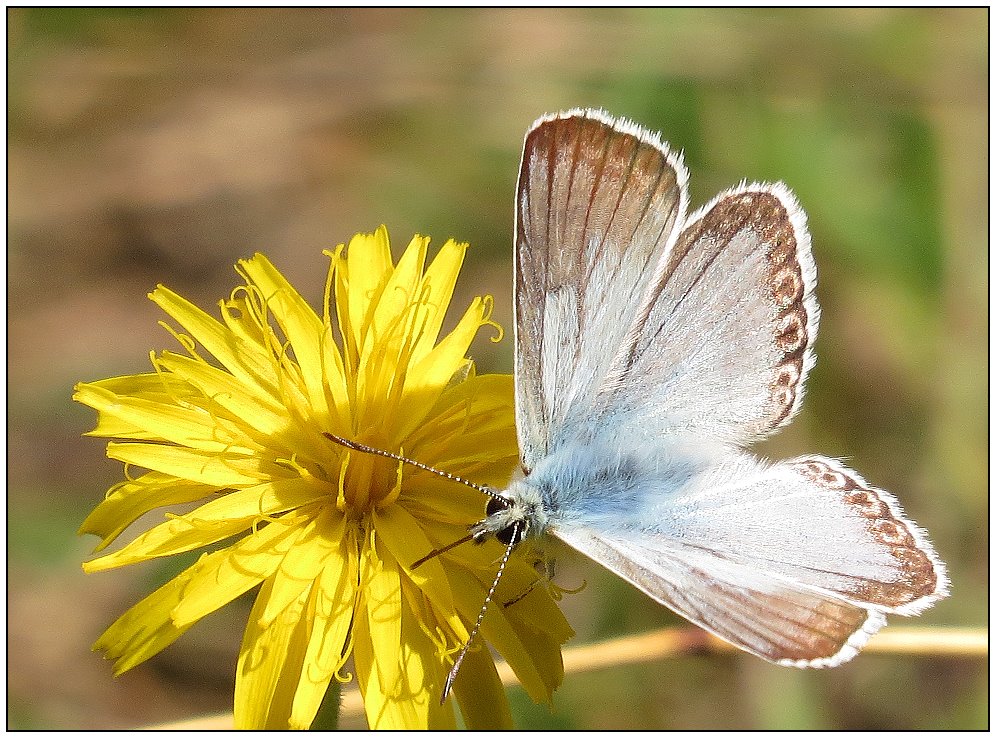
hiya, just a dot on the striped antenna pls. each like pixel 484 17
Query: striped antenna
pixel 353 445
pixel 480 618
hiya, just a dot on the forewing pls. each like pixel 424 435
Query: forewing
pixel 599 203
pixel 724 339
pixel 797 563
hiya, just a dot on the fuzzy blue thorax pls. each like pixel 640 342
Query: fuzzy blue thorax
pixel 604 486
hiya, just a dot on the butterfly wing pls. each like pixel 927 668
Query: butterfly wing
pixel 639 329
pixel 599 203
pixel 629 316
pixel 723 341
pixel 797 563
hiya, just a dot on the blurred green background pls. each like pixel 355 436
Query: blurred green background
pixel 161 146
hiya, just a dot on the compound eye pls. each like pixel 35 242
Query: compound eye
pixel 496 505
pixel 508 534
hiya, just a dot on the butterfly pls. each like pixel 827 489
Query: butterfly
pixel 652 348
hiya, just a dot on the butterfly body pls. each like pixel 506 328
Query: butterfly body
pixel 630 479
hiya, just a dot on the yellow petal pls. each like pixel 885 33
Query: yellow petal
pixel 443 506
pixel 496 629
pixel 480 402
pixel 536 621
pixel 422 676
pixel 128 501
pixel 385 352
pixel 534 608
pixel 367 268
pixel 332 602
pixel 426 381
pixel 161 388
pixel 211 522
pixel 319 542
pixel 469 428
pixel 250 403
pixel 182 425
pixel 400 291
pixel 216 469
pixel 248 361
pixel 437 286
pixel 410 702
pixel 270 664
pixel 152 386
pixel 146 628
pixel 304 331
pixel 382 592
pixel 480 693
pixel 402 535
pixel 240 568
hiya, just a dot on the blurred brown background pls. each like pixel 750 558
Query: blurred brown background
pixel 162 145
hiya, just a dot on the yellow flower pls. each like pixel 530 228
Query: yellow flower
pixel 330 534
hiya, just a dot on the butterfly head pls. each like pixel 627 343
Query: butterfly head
pixel 513 515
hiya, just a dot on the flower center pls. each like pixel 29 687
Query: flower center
pixel 367 482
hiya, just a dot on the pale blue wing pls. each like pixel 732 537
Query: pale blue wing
pixel 796 562
pixel 747 607
pixel 723 342
pixel 598 205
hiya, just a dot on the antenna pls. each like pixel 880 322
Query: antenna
pixel 436 551
pixel 418 465
pixel 480 618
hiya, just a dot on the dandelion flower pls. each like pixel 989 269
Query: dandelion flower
pixel 233 427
